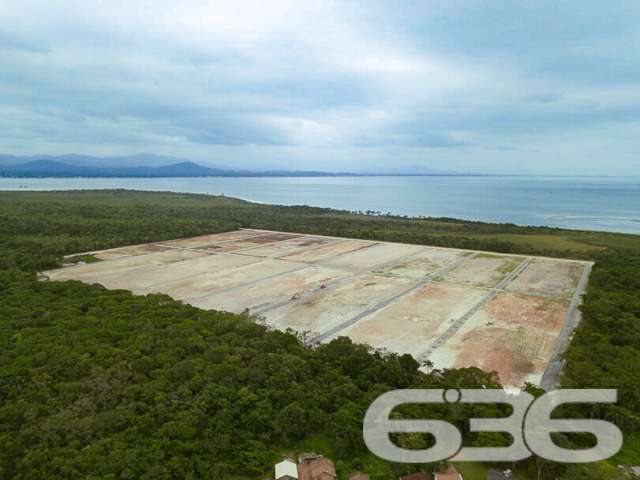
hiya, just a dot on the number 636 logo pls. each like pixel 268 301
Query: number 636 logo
pixel 530 425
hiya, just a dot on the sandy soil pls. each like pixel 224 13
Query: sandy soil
pixel 548 277
pixel 376 254
pixel 411 324
pixel 374 292
pixel 484 270
pixel 324 310
pixel 213 238
pixel 317 254
pixel 288 247
pixel 214 280
pixel 513 335
pixel 265 294
pixel 120 267
pixel 424 263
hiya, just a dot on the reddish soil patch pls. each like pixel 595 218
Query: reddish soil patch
pixel 511 366
pixel 437 292
pixel 528 311
pixel 487 350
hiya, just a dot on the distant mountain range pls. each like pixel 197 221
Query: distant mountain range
pixel 51 168
pixel 137 160
pixel 147 165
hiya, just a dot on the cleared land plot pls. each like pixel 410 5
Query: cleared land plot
pixel 372 255
pixel 129 251
pixel 201 285
pixel 211 239
pixel 424 263
pixel 513 335
pixel 548 277
pixel 230 246
pixel 271 292
pixel 484 270
pixel 121 267
pixel 411 324
pixel 323 311
pixel 166 278
pixel 287 247
pixel 317 254
pixel 453 307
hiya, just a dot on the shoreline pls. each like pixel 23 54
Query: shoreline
pixel 538 204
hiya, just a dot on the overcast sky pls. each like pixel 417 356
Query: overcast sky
pixel 470 86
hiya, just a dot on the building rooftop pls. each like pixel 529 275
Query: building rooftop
pixel 317 469
pixel 286 470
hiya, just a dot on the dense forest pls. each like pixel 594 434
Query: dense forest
pixel 108 385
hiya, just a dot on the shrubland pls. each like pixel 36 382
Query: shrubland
pixel 105 384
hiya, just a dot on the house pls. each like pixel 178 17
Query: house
pixel 315 467
pixel 494 474
pixel 417 476
pixel 287 470
pixel 449 474
pixel 310 466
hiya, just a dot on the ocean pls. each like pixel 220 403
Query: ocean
pixel 585 203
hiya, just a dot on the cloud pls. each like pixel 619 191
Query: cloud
pixel 8 42
pixel 463 85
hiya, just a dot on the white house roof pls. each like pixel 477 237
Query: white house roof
pixel 286 468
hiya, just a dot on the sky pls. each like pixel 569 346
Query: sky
pixel 527 87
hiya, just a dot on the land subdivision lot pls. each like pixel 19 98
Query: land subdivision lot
pixel 512 334
pixel 424 263
pixel 455 308
pixel 410 324
pixel 287 247
pixel 548 277
pixel 483 270
pixel 272 292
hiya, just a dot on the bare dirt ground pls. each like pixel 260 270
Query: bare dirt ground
pixel 287 247
pixel 322 311
pixel 267 293
pixel 372 255
pixel 423 263
pixel 208 239
pixel 217 278
pixel 484 270
pixel 122 265
pixel 129 251
pixel 548 277
pixel 456 308
pixel 411 324
pixel 317 254
pixel 513 335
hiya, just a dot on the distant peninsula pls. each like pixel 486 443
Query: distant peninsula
pixel 148 166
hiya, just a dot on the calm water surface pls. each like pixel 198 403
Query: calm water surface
pixel 579 203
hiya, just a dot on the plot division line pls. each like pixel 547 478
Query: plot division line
pixel 457 325
pixel 377 306
pixel 338 282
